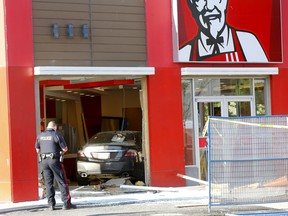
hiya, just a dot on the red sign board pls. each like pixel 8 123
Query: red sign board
pixel 227 31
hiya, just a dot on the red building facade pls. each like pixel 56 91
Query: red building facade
pixel 18 161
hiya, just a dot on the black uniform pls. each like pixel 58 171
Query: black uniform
pixel 51 144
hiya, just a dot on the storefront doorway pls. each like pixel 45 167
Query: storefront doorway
pixel 220 106
pixel 227 97
pixel 88 100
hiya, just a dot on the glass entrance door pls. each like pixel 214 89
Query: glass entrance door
pixel 206 109
pixel 227 107
pixel 221 106
pixel 223 96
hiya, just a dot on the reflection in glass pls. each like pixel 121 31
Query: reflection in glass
pixel 206 109
pixel 260 96
pixel 203 89
pixel 226 87
pixel 188 122
pixel 237 109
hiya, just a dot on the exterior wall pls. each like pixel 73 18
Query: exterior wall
pixel 18 181
pixel 279 98
pixel 117 33
pixel 165 128
pixel 165 106
pixel 160 55
pixel 5 172
pixel 18 161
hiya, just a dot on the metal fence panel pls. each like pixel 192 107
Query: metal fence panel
pixel 247 160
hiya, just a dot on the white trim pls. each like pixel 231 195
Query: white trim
pixel 220 71
pixel 82 71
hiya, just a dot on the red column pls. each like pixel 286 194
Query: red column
pixel 279 97
pixel 165 128
pixel 18 160
pixel 166 137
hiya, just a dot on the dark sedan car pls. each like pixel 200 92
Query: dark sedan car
pixel 110 154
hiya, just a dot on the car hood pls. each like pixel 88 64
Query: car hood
pixel 125 144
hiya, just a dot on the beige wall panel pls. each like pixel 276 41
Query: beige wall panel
pixel 63 55
pixel 119 40
pixel 50 6
pixel 119 3
pixel 47 23
pixel 61 62
pixel 117 34
pixel 61 15
pixel 119 56
pixel 64 1
pixel 110 9
pixel 120 48
pixel 41 24
pixel 61 47
pixel 121 32
pixel 118 25
pixel 62 40
pixel 118 17
pixel 114 63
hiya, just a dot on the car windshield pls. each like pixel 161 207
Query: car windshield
pixel 101 138
pixel 113 137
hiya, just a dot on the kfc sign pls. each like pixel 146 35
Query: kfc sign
pixel 227 31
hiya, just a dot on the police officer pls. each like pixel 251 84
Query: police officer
pixel 50 144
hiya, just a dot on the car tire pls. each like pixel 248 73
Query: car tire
pixel 82 181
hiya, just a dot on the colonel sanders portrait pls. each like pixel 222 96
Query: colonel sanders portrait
pixel 216 40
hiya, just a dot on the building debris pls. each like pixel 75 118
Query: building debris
pixel 280 182
pixel 116 182
pixel 147 188
pixel 193 179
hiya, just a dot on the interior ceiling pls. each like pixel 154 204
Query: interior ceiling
pixel 72 87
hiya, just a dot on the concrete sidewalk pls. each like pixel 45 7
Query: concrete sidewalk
pixel 115 196
pixel 83 195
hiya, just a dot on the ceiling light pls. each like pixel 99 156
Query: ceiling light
pixel 99 89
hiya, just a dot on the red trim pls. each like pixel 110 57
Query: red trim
pixel 66 185
pixel 54 82
pixel 99 84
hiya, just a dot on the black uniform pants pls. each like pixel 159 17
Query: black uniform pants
pixel 52 168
